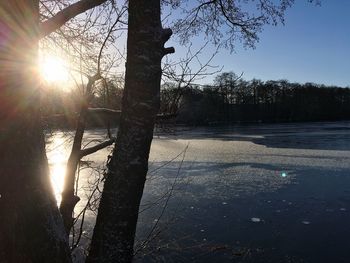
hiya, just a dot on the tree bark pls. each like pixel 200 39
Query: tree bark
pixel 31 229
pixel 113 236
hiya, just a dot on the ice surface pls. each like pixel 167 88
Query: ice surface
pixel 290 175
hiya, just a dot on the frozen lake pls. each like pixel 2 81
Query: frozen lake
pixel 253 193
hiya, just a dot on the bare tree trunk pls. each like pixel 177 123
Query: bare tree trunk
pixel 31 228
pixel 113 236
pixel 69 199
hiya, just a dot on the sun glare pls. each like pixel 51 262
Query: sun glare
pixel 54 69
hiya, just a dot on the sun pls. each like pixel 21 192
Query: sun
pixel 54 69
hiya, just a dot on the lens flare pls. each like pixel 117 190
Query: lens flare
pixel 54 69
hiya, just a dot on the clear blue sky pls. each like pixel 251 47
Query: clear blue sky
pixel 312 46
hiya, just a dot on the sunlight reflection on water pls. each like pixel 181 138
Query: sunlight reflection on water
pixel 58 148
pixel 57 153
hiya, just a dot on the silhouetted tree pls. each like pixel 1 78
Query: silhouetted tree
pixel 31 229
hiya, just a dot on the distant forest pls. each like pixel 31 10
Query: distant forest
pixel 230 99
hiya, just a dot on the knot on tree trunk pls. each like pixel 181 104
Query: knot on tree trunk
pixel 165 36
pixel 168 50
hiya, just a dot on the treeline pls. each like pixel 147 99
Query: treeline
pixel 229 99
pixel 232 99
pixel 60 106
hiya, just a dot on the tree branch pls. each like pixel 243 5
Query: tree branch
pixel 97 147
pixel 66 14
pixel 103 110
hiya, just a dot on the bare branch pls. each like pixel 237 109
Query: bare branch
pixel 103 110
pixel 66 14
pixel 97 147
pixel 105 41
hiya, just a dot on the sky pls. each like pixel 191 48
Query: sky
pixel 312 46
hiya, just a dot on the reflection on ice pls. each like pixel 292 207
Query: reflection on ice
pixel 58 147
pixel 57 153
